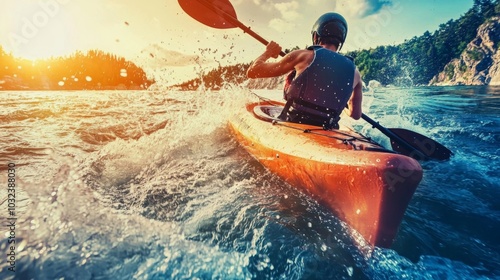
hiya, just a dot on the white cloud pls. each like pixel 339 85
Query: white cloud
pixel 289 15
pixel 281 25
pixel 325 5
pixel 351 8
pixel 361 8
pixel 288 10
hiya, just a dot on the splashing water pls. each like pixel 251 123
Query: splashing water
pixel 148 185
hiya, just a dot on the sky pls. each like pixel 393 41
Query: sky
pixel 160 37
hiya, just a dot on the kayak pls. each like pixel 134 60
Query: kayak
pixel 361 182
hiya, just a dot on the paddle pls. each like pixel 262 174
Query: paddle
pixel 217 14
pixel 221 14
pixel 411 143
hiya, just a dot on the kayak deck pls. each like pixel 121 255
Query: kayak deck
pixel 363 184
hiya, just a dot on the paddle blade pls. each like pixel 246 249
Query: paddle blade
pixel 425 145
pixel 214 13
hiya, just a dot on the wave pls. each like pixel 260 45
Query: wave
pixel 151 184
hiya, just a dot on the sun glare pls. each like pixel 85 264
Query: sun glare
pixel 38 29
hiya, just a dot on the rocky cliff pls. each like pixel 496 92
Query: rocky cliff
pixel 479 63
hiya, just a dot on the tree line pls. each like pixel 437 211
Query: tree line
pixel 418 60
pixel 80 71
pixel 218 77
pixel 414 62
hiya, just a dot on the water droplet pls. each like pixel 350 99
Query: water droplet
pixel 349 271
pixel 324 247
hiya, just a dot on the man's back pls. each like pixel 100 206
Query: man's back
pixel 329 31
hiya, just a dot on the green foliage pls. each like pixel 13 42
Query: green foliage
pixel 475 55
pixel 462 67
pixel 217 78
pixel 93 70
pixel 420 58
pixel 293 49
pixel 449 71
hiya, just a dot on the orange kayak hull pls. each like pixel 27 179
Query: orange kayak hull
pixel 363 184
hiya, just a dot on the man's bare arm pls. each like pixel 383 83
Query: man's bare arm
pixel 354 104
pixel 261 68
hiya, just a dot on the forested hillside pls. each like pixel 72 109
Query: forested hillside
pixel 216 78
pixel 417 60
pixel 93 70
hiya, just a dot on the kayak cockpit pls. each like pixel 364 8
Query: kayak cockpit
pixel 271 112
pixel 268 113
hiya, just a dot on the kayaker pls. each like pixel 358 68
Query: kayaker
pixel 321 82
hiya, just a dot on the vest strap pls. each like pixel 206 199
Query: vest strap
pixel 316 107
pixel 286 109
pixel 307 118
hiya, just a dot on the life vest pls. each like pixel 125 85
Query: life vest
pixel 320 93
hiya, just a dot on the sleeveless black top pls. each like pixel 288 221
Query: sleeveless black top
pixel 320 93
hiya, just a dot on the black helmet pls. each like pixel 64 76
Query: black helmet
pixel 330 25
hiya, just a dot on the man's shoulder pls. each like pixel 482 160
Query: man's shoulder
pixel 301 54
pixel 301 51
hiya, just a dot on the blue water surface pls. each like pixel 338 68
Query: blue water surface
pixel 151 185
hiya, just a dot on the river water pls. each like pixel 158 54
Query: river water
pixel 151 185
